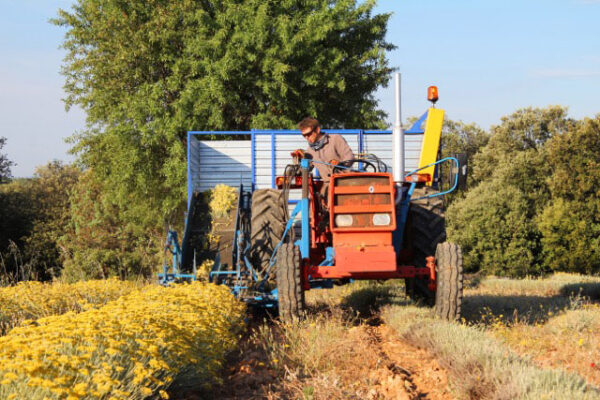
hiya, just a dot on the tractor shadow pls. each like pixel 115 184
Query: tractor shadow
pixel 363 304
pixel 488 309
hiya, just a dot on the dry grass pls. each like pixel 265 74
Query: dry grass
pixel 481 366
pixel 514 330
pixel 526 300
pixel 529 339
pixel 331 354
pixel 569 340
pixel 554 321
pixel 322 357
pixel 557 284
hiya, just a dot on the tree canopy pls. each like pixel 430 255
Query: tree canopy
pixel 5 163
pixel 536 205
pixel 495 221
pixel 147 72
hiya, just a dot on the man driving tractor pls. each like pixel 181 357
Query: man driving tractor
pixel 324 148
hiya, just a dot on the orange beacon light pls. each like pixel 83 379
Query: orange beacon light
pixel 432 94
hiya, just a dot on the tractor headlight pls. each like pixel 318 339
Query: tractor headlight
pixel 381 219
pixel 343 220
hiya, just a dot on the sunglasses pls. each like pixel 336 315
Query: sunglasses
pixel 307 134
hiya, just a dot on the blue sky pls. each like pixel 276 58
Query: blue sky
pixel 488 58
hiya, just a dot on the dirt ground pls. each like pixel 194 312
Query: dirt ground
pixel 396 370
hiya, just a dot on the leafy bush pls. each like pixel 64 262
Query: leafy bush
pixel 525 129
pixel 100 243
pixel 494 222
pixel 5 163
pixel 34 214
pixel 570 225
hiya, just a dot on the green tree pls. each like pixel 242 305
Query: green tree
pixel 147 72
pixel 16 221
pixel 570 225
pixel 460 137
pixel 34 214
pixel 525 129
pixel 495 222
pixel 5 163
pixel 96 244
pixel 52 185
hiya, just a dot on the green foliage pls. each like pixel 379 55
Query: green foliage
pixel 16 221
pixel 5 163
pixel 571 224
pixel 97 244
pixel 575 161
pixel 459 137
pixel 147 72
pixel 52 186
pixel 33 215
pixel 495 222
pixel 525 129
pixel 571 236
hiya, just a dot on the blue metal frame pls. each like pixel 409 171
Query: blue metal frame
pixel 416 128
pixel 172 246
pixel 406 199
pixel 273 133
pixel 437 163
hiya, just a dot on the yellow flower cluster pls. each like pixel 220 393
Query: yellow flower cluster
pixel 32 300
pixel 222 200
pixel 130 348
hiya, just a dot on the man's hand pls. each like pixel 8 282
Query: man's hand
pixel 334 162
pixel 297 153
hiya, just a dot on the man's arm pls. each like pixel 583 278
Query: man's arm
pixel 342 148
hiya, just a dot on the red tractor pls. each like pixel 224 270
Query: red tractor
pixel 368 224
pixel 367 227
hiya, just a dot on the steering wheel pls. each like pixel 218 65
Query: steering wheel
pixel 350 163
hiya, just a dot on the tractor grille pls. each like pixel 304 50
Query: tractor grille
pixel 362 197
pixel 362 181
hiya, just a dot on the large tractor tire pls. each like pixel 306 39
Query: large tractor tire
pixel 289 282
pixel 426 229
pixel 428 223
pixel 266 226
pixel 449 279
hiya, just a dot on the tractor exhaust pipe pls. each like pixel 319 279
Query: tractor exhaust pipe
pixel 398 137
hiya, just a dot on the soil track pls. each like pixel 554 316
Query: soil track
pixel 394 368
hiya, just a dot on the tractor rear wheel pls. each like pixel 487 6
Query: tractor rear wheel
pixel 266 226
pixel 426 228
pixel 449 279
pixel 289 282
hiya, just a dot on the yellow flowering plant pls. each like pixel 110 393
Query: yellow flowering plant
pixel 129 348
pixel 31 300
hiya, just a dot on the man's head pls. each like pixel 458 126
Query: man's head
pixel 310 128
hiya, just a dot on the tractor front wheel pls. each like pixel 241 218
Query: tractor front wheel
pixel 289 282
pixel 449 280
